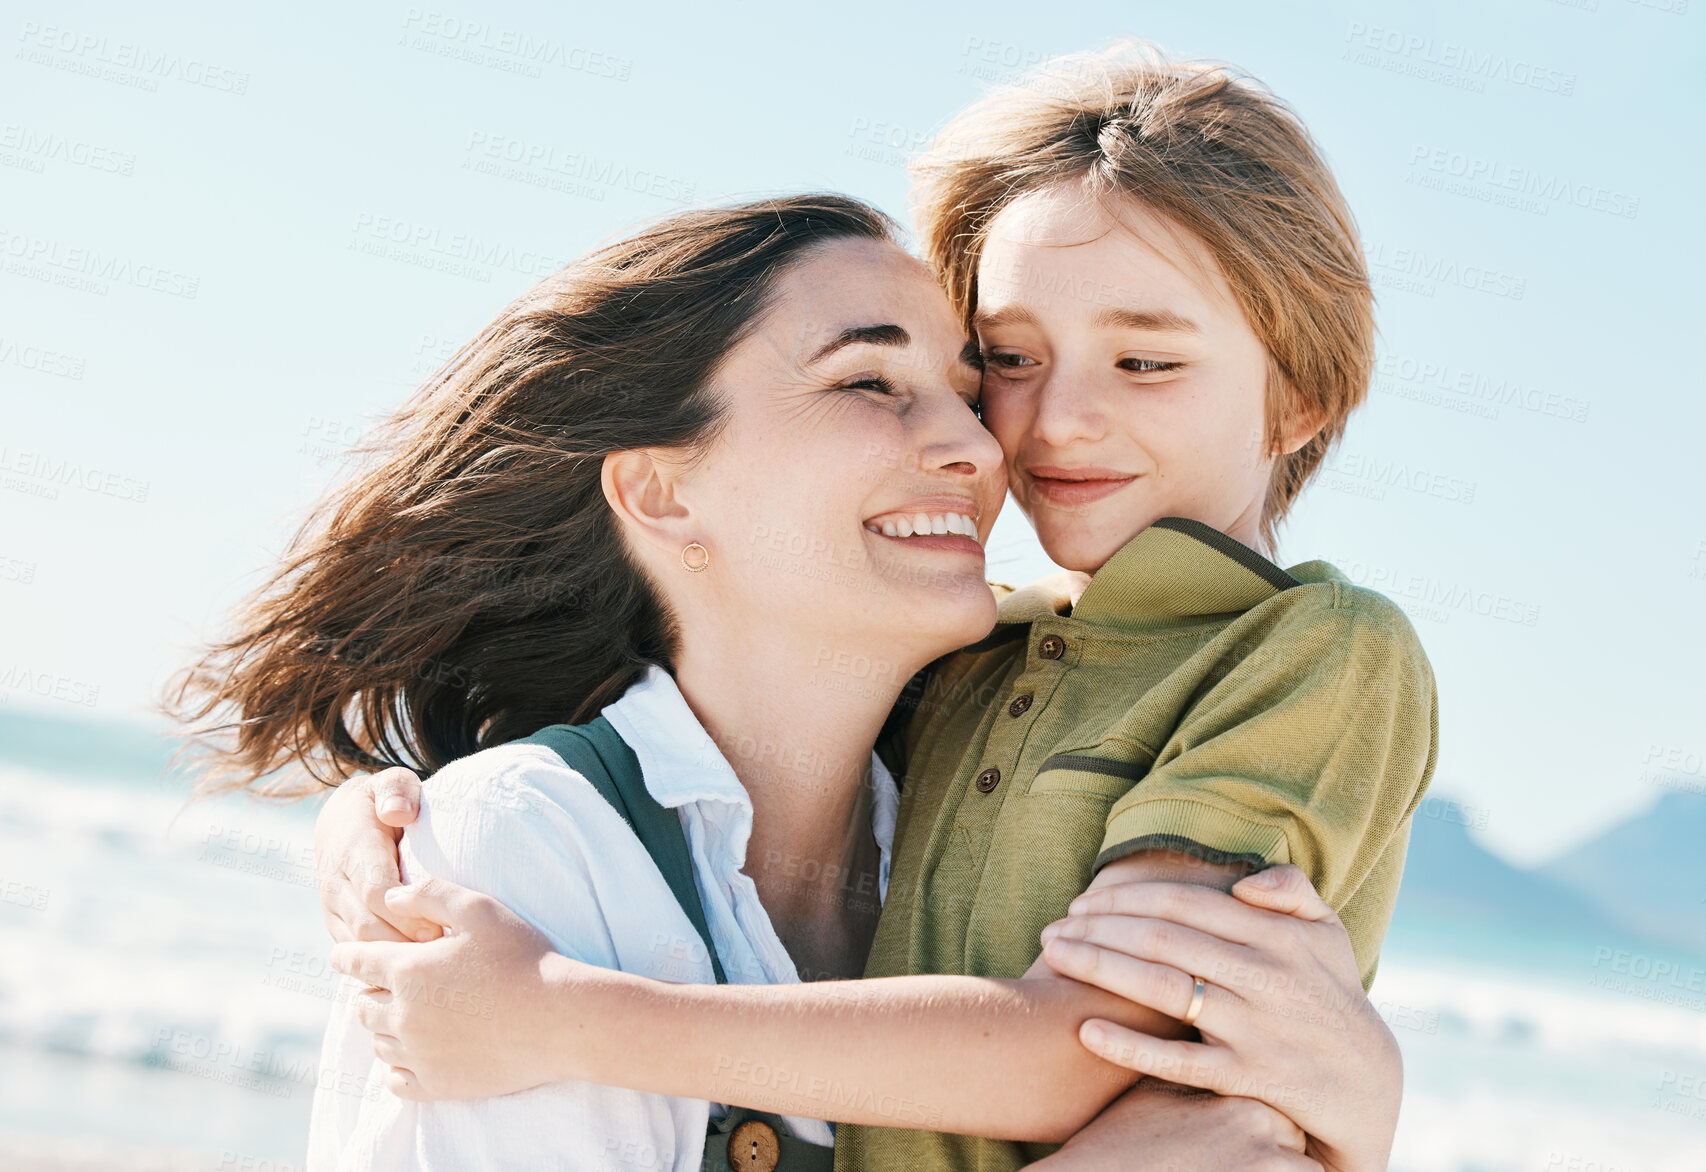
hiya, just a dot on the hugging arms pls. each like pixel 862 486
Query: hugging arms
pixel 1294 1043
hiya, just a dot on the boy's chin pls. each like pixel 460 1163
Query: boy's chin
pixel 1085 552
pixel 1074 541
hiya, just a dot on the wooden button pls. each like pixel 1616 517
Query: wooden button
pixel 754 1147
pixel 1020 705
pixel 988 780
pixel 1052 647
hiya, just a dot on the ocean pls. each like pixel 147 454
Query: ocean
pixel 164 985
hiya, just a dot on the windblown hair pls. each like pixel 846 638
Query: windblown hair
pixel 471 585
pixel 1216 153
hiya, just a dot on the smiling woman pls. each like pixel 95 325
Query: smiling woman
pixel 750 419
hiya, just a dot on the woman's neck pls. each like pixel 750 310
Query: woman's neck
pixel 798 730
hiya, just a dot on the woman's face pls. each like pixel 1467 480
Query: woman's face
pixel 850 491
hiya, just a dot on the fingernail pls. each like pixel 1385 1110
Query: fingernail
pixel 392 894
pixel 1063 949
pixel 426 935
pixel 395 804
pixel 1268 878
pixel 1050 931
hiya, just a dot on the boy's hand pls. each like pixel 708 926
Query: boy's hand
pixel 465 1016
pixel 1167 1128
pixel 1284 1017
pixel 355 855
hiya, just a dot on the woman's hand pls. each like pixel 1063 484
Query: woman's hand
pixel 462 1017
pixel 1284 1018
pixel 355 856
pixel 1167 1128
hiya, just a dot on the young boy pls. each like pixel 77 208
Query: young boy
pixel 1176 321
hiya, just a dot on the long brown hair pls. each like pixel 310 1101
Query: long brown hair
pixel 471 585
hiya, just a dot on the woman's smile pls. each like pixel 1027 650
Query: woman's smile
pixel 948 525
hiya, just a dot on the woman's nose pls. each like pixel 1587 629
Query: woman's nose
pixel 969 451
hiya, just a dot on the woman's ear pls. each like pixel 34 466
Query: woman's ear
pixel 641 489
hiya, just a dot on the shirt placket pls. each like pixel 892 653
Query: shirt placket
pixel 1051 652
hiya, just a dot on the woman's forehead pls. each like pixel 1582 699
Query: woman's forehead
pixel 867 284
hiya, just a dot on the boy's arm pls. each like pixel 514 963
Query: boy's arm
pixel 997 1058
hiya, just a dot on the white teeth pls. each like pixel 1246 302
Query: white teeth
pixel 925 524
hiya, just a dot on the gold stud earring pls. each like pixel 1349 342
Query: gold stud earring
pixel 702 558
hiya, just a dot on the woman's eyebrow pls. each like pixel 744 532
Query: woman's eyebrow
pixel 883 335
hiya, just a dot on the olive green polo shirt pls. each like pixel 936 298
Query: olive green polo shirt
pixel 1197 697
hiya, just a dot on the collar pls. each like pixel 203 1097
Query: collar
pixel 681 763
pixel 679 760
pixel 1175 570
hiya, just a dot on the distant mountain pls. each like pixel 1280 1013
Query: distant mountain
pixel 1646 872
pixel 1449 877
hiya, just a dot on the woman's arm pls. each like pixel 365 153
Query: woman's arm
pixel 1284 1017
pixel 1156 1125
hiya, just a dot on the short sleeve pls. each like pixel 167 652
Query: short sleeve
pixel 1313 748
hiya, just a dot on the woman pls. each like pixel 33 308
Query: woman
pixel 776 389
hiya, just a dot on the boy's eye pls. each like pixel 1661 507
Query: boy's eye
pixel 1147 365
pixel 1008 361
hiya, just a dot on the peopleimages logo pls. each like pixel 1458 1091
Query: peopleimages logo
pixel 1526 181
pixel 42 475
pixel 87 268
pixel 1435 599
pixel 1434 59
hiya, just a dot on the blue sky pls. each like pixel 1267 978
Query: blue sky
pixel 1526 478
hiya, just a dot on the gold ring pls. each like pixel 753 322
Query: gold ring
pixel 1198 995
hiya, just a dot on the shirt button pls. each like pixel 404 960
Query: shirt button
pixel 754 1147
pixel 1020 705
pixel 988 780
pixel 1052 647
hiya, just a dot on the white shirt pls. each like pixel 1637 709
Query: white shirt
pixel 517 823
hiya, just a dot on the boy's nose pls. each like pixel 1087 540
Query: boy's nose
pixel 1067 412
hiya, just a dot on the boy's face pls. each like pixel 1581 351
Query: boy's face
pixel 1123 383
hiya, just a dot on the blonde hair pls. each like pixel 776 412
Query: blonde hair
pixel 1212 150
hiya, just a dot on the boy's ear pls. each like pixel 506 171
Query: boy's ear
pixel 1303 426
pixel 641 490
